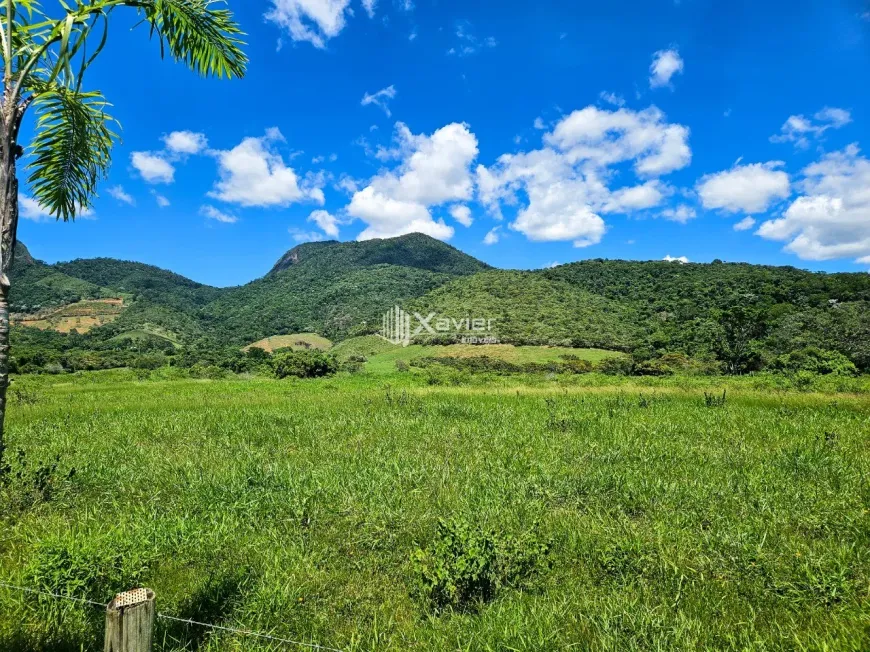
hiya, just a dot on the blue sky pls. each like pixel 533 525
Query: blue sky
pixel 523 133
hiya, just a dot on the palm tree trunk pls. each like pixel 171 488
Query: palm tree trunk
pixel 8 228
pixel 4 367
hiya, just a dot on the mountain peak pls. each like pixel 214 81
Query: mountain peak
pixel 410 250
pixel 22 255
pixel 298 253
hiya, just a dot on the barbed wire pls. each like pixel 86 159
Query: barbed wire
pixel 247 632
pixel 53 595
pixel 187 621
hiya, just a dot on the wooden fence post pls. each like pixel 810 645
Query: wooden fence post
pixel 130 621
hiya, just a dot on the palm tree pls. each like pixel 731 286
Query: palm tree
pixel 44 64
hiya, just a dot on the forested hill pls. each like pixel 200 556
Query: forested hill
pixel 694 288
pixel 337 289
pixel 36 285
pixel 143 281
pixel 745 313
pixel 328 287
pixel 739 312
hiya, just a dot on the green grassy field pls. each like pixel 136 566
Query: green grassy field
pixel 635 517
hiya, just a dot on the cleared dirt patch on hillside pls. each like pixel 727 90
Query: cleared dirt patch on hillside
pixel 299 341
pixel 81 316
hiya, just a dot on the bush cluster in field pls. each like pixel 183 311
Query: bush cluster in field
pixel 466 566
pixel 671 369
pixel 571 364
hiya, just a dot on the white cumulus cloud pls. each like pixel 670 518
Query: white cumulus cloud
pixel 305 236
pixel 381 98
pixel 347 184
pixel 433 170
pixel 800 130
pixel 612 98
pixel 606 137
pixel 185 142
pixel 745 224
pixel 676 259
pixel 831 217
pixel 462 214
pixel 153 168
pixel 665 64
pixel 327 222
pixel 162 201
pixel 635 198
pixel 121 195
pixel 492 236
pixel 29 209
pixel 312 21
pixel 751 188
pixel 213 213
pixel 681 214
pixel 253 173
pixel 563 189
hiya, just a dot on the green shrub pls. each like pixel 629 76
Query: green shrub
pixel 713 400
pixel 170 373
pixel 443 375
pixel 483 364
pixel 815 360
pixel 575 365
pixel 616 366
pixel 351 366
pixel 24 482
pixel 803 380
pixel 149 361
pixel 304 364
pixel 466 565
pixel 669 364
pixel 207 371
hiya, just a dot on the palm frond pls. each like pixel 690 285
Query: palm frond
pixel 71 150
pixel 202 36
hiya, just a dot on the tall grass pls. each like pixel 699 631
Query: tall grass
pixel 309 509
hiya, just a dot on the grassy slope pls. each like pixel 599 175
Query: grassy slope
pixel 294 508
pixel 295 341
pixel 364 345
